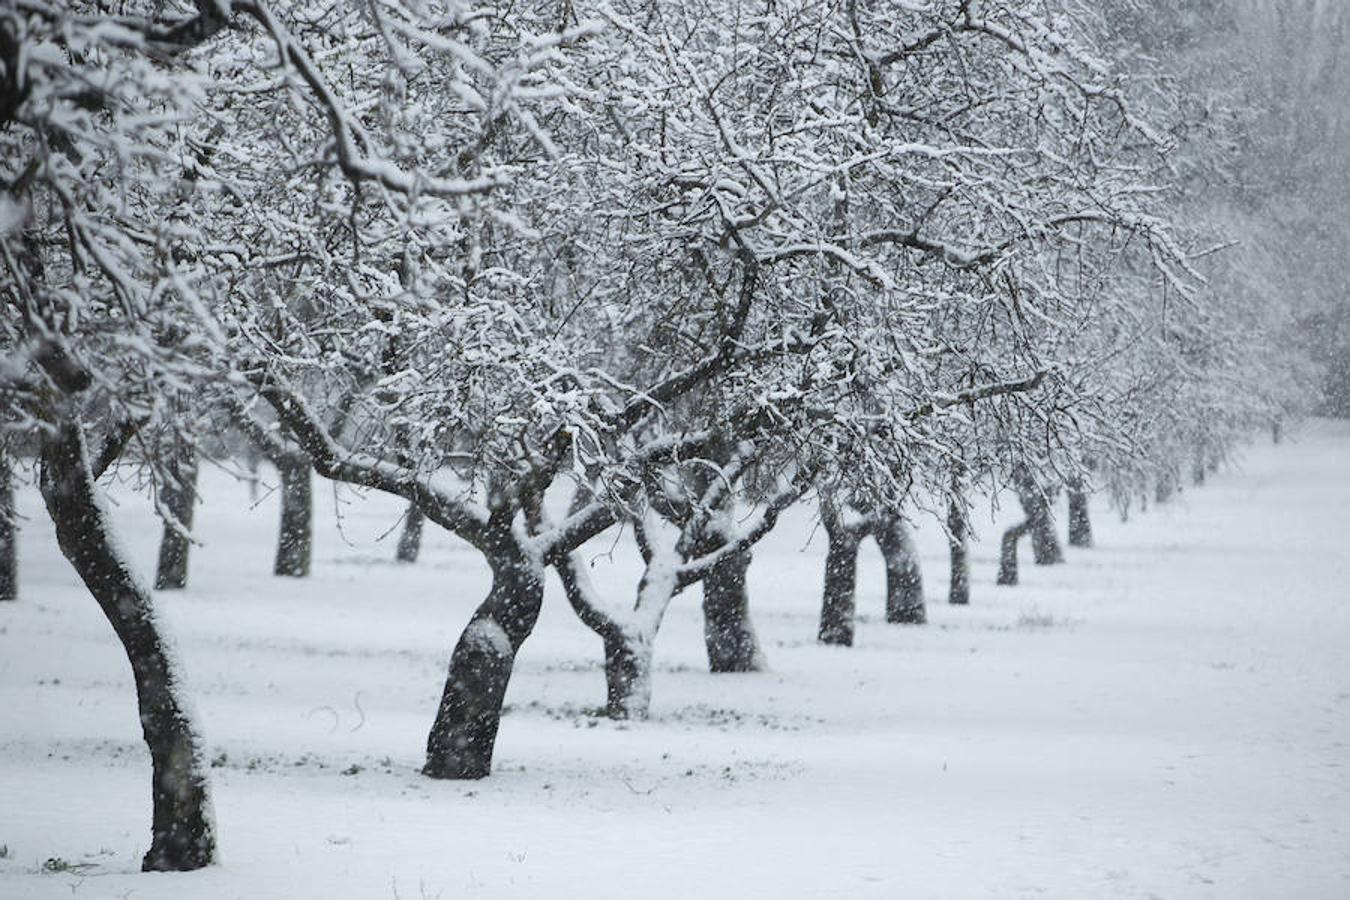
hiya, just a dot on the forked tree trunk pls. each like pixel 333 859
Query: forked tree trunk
pixel 410 541
pixel 839 606
pixel 727 631
pixel 295 540
pixel 958 542
pixel 904 581
pixel 182 833
pixel 1045 549
pixel 9 533
pixel 1007 557
pixel 1080 521
pixel 465 731
pixel 179 496
pixel 628 675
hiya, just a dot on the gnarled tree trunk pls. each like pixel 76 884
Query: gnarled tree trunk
pixel 410 541
pixel 182 833
pixel 958 542
pixel 727 630
pixel 9 533
pixel 1080 522
pixel 462 738
pixel 904 582
pixel 179 497
pixel 839 605
pixel 295 540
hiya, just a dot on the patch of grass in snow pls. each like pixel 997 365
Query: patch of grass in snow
pixel 1035 620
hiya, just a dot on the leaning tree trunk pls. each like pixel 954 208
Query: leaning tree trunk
pixel 727 631
pixel 9 549
pixel 958 542
pixel 838 608
pixel 1080 522
pixel 295 541
pixel 410 541
pixel 904 582
pixel 465 731
pixel 1007 557
pixel 179 496
pixel 182 835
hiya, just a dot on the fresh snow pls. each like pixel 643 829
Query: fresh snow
pixel 1167 715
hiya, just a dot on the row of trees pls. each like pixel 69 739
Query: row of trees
pixel 684 263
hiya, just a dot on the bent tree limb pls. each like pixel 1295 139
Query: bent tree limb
pixel 182 832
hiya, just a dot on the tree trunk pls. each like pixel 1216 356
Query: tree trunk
pixel 182 835
pixel 462 737
pixel 1276 430
pixel 1198 470
pixel 1080 522
pixel 727 631
pixel 958 542
pixel 1045 549
pixel 904 582
pixel 179 496
pixel 628 676
pixel 9 533
pixel 1165 487
pixel 410 541
pixel 295 541
pixel 1007 558
pixel 839 605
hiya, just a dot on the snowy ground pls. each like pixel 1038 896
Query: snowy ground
pixel 1167 715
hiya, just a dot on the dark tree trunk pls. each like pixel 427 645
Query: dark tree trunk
pixel 1276 430
pixel 295 541
pixel 410 541
pixel 1007 557
pixel 904 582
pixel 727 631
pixel 839 605
pixel 182 835
pixel 958 542
pixel 628 676
pixel 179 496
pixel 9 533
pixel 1080 522
pixel 462 738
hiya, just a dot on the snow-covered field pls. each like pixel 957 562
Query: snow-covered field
pixel 1168 715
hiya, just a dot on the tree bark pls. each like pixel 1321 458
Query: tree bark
pixel 1007 558
pixel 182 833
pixel 628 676
pixel 410 541
pixel 727 630
pixel 958 542
pixel 179 496
pixel 9 533
pixel 904 581
pixel 462 738
pixel 295 541
pixel 839 606
pixel 1080 521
